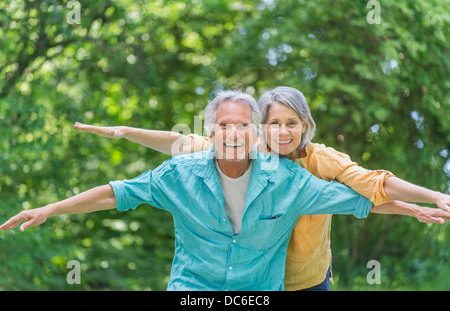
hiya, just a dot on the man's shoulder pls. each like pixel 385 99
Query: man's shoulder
pixel 184 162
pixel 281 166
pixel 192 158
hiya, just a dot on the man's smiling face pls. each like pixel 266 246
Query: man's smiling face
pixel 234 132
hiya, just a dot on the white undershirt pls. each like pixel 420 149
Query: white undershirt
pixel 234 191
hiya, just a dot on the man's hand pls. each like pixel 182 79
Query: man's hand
pixel 423 214
pixel 108 132
pixel 431 215
pixel 96 199
pixel 31 218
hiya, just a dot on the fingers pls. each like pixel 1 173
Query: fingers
pixel 14 221
pixel 436 220
pixel 439 214
pixel 31 218
pixel 87 128
pixel 444 215
pixel 443 202
pixel 27 225
pixel 444 206
pixel 433 216
pixel 108 132
pixel 431 220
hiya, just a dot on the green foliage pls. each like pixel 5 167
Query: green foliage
pixel 377 92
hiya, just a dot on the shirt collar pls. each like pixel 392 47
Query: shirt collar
pixel 262 164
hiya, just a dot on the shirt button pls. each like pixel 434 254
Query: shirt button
pixel 230 268
pixel 223 219
pixel 234 241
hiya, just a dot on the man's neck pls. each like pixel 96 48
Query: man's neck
pixel 234 168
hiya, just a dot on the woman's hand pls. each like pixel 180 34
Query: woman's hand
pixel 443 202
pixel 108 132
pixel 170 143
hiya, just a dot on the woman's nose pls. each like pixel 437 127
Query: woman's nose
pixel 283 130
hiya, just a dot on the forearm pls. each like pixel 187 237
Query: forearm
pixel 96 199
pixel 170 143
pixel 423 214
pixel 395 208
pixel 398 189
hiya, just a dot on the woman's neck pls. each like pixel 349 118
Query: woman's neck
pixel 294 155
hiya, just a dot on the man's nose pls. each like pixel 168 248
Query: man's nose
pixel 232 131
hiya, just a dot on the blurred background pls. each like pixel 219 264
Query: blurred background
pixel 377 91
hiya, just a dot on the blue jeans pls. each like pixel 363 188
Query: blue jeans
pixel 324 286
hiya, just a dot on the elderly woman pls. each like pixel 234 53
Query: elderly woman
pixel 288 130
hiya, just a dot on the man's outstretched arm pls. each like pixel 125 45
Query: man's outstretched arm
pixel 423 214
pixel 96 199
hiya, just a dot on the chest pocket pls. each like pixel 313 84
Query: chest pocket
pixel 268 232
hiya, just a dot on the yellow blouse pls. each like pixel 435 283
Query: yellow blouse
pixel 309 251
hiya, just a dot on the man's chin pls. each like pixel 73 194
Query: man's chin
pixel 233 156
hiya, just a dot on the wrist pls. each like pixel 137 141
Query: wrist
pixel 408 209
pixel 437 198
pixel 415 211
pixel 122 132
pixel 49 210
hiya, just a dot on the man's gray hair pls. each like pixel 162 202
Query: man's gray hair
pixel 294 99
pixel 234 95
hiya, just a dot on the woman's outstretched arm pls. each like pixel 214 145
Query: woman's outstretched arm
pixel 167 142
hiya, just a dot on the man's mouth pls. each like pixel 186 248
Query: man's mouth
pixel 283 141
pixel 233 145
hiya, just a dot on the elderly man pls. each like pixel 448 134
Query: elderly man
pixel 233 208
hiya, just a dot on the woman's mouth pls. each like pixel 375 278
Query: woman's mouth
pixel 283 141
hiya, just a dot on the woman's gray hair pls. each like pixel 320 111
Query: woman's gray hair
pixel 211 108
pixel 294 99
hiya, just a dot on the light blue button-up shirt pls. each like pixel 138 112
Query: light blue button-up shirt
pixel 208 255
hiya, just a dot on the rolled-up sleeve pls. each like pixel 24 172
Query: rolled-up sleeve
pixel 327 163
pixel 199 143
pixel 131 193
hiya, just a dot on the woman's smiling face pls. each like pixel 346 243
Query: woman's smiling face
pixel 284 130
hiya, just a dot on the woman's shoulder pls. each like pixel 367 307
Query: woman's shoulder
pixel 315 150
